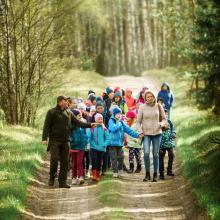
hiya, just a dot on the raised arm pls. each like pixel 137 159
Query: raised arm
pixel 76 123
pixel 130 131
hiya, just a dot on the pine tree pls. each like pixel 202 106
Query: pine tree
pixel 207 52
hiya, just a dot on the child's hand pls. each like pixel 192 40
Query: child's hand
pixel 141 136
pixel 103 126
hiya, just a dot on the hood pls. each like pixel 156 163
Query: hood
pixel 149 91
pixel 165 84
pixel 128 90
pixel 99 99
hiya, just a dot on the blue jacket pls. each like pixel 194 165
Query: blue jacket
pixel 168 137
pixel 167 96
pixel 99 138
pixel 117 131
pixel 78 139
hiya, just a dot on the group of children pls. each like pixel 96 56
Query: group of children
pixel 101 147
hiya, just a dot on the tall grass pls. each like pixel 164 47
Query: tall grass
pixel 200 157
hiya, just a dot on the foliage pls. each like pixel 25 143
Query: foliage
pixel 207 52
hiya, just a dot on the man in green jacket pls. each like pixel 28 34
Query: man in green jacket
pixel 56 134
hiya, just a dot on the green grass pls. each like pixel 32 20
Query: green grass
pixel 109 196
pixel 20 155
pixel 200 157
pixel 20 147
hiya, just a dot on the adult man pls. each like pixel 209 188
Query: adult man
pixel 57 128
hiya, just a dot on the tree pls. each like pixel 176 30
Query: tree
pixel 207 52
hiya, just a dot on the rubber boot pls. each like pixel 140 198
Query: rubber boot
pixel 138 170
pixel 94 175
pixel 98 176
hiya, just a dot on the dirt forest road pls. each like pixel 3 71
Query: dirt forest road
pixel 164 200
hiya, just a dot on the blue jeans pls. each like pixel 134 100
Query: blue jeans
pixel 155 139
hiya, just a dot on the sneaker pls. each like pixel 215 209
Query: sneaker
pixel 120 173
pixel 74 181
pixel 87 175
pixel 81 180
pixel 115 175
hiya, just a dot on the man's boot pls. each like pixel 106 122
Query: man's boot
pixel 64 185
pixel 51 182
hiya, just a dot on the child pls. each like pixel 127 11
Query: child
pixel 91 113
pixel 140 99
pixel 167 96
pixel 167 144
pixel 86 157
pixel 130 101
pixel 78 143
pixel 120 102
pixel 117 129
pixel 134 145
pixel 99 140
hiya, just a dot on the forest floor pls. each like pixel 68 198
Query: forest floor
pixel 125 198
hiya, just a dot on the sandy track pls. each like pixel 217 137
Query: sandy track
pixel 169 199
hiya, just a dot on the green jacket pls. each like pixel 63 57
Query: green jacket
pixel 59 123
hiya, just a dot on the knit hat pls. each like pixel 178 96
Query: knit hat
pixel 92 97
pixel 97 116
pixel 117 94
pixel 92 108
pixel 76 112
pixel 108 90
pixel 99 99
pixel 128 90
pixel 117 89
pixel 99 104
pixel 116 110
pixel 131 114
pixel 91 92
pixel 82 106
